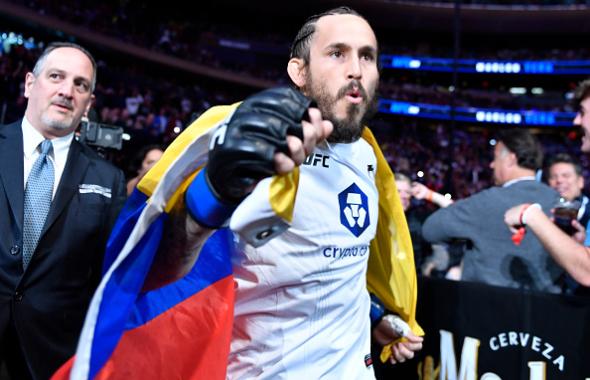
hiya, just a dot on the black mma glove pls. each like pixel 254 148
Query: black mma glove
pixel 242 152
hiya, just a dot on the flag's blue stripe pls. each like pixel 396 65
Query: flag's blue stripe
pixel 120 294
pixel 213 264
pixel 123 227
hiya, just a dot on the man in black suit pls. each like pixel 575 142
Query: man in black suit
pixel 48 277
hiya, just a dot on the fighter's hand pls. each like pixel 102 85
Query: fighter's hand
pixel 406 349
pixel 386 332
pixel 242 151
pixel 315 131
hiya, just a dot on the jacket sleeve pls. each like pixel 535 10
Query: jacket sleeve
pixel 458 221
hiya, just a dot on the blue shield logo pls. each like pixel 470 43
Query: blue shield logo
pixel 354 210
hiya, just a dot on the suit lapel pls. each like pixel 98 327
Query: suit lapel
pixel 12 168
pixel 76 166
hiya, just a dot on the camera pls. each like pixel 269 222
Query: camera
pixel 101 135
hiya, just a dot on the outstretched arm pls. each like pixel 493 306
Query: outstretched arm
pixel 419 191
pixel 266 135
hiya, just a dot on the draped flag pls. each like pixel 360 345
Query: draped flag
pixel 183 330
pixel 179 331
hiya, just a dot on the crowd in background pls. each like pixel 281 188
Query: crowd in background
pixel 258 54
pixel 153 109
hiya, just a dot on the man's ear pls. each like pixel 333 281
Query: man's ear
pixel 512 159
pixel 29 80
pixel 296 69
pixel 89 105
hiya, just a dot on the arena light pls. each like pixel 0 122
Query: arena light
pixel 420 174
pixel 477 115
pixel 533 67
pixel 497 67
pixel 414 64
pixel 413 110
pixel 537 91
pixel 538 67
pixel 517 90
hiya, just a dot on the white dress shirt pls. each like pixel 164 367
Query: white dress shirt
pixel 31 140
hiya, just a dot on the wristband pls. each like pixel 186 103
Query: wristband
pixel 377 310
pixel 204 206
pixel 524 212
pixel 429 195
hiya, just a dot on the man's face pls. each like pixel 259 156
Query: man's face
pixel 582 119
pixel 500 163
pixel 564 179
pixel 60 95
pixel 405 193
pixel 342 74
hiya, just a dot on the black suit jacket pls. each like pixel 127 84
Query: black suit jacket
pixel 47 302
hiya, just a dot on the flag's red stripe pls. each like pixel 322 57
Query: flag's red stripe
pixel 189 341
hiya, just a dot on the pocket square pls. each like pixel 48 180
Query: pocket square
pixel 96 189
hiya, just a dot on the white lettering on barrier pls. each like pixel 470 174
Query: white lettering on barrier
pixel 448 361
pixel 535 343
pixel 537 370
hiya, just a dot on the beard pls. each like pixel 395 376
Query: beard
pixel 59 125
pixel 350 128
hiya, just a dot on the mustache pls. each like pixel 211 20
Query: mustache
pixel 354 84
pixel 64 103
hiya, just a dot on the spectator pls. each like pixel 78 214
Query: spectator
pixel 492 258
pixel 426 256
pixel 133 102
pixel 565 176
pixel 143 161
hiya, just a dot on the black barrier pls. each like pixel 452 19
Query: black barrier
pixel 481 332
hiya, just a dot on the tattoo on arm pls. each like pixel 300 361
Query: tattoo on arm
pixel 179 249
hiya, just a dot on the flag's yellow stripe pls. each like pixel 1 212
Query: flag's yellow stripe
pixel 282 193
pixel 391 275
